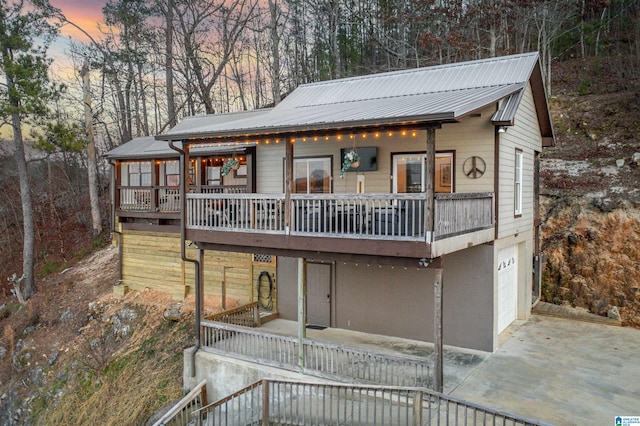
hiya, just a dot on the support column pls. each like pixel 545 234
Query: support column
pixel 288 179
pixel 437 327
pixel 223 289
pixel 199 296
pixel 429 188
pixel 302 310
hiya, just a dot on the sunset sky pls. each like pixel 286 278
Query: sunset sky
pixel 84 13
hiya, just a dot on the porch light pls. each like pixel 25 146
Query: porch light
pixel 502 129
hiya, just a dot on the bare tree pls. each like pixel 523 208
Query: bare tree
pixel 24 38
pixel 92 167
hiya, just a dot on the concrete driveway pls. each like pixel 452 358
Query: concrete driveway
pixel 560 371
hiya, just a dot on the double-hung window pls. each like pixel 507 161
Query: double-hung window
pixel 517 183
pixel 172 173
pixel 139 174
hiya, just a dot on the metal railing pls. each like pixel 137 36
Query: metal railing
pixel 246 315
pixel 379 216
pixel 321 359
pixel 280 402
pixel 180 414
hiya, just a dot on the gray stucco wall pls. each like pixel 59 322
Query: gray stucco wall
pixel 399 302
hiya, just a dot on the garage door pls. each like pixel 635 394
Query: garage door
pixel 507 286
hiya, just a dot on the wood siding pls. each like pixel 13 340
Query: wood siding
pixel 152 260
pixel 525 135
pixel 159 269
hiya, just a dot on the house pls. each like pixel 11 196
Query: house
pixel 435 228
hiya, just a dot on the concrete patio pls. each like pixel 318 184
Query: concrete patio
pixel 556 370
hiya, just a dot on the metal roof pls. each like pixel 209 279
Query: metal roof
pixel 148 147
pixel 443 93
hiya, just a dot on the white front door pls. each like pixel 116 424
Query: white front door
pixel 507 286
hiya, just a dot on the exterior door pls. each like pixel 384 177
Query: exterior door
pixel 319 294
pixel 507 286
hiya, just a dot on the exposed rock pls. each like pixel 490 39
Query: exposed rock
pixel 52 359
pixel 636 158
pixel 614 313
pixel 37 377
pixel 172 314
pixel 127 314
pixel 67 315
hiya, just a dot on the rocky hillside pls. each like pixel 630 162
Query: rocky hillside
pixel 591 191
pixel 75 355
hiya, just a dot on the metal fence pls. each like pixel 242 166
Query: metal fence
pixel 321 359
pixel 280 402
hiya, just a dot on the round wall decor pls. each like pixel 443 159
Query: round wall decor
pixel 474 167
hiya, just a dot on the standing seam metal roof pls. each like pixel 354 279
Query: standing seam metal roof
pixel 421 95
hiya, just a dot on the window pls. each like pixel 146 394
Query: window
pixel 409 174
pixel 517 184
pixel 139 174
pixel 312 175
pixel 214 176
pixel 172 173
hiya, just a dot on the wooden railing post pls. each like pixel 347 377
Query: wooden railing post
pixel 429 189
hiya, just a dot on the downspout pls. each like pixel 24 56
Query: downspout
pixel 183 253
pixel 112 227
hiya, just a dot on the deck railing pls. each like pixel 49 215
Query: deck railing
pixel 456 214
pixel 246 315
pixel 167 198
pixel 180 414
pixel 380 216
pixel 280 402
pixel 321 359
pixel 135 198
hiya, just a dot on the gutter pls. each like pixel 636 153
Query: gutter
pixel 183 254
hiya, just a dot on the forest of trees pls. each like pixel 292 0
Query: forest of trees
pixel 157 61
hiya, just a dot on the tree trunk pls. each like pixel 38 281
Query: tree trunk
pixel 91 152
pixel 171 103
pixel 28 246
pixel 275 52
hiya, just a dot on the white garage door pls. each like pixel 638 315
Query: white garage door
pixel 507 286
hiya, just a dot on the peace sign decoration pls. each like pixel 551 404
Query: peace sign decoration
pixel 474 167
